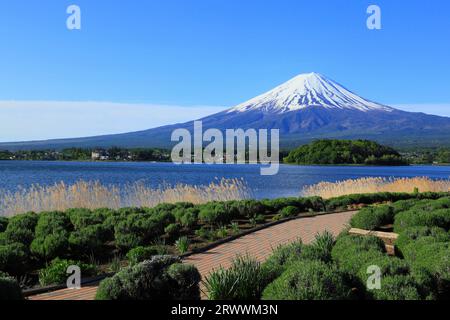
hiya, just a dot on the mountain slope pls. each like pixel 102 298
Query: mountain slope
pixel 305 108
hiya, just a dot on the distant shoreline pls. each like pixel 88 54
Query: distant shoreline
pixel 283 163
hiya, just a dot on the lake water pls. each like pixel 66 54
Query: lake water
pixel 288 182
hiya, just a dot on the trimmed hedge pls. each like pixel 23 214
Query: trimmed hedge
pixel 309 280
pixel 155 279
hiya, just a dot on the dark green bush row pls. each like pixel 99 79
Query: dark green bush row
pixel 406 213
pixel 370 198
pixel 161 278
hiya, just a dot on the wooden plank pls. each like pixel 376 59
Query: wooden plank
pixel 389 238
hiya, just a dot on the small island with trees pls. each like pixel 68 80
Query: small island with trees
pixel 345 152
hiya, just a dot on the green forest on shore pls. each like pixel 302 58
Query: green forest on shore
pixel 319 152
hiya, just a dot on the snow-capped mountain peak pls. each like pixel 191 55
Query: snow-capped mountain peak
pixel 308 90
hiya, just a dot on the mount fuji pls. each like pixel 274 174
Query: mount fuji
pixel 307 107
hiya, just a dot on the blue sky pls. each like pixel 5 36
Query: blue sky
pixel 177 54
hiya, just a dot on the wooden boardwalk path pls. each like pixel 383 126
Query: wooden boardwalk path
pixel 258 245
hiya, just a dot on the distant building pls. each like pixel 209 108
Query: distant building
pixel 99 155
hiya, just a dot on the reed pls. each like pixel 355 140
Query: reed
pixel 328 190
pixel 93 194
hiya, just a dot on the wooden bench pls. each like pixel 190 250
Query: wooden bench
pixel 388 238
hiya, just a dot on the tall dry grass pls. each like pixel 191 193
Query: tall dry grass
pixel 373 185
pixel 92 195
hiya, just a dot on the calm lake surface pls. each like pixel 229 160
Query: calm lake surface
pixel 289 181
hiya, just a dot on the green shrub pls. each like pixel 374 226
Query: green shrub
pixel 82 218
pixel 309 280
pixel 397 287
pixel 155 279
pixel 140 254
pixel 14 258
pixel 222 232
pixel 316 204
pixel 182 244
pixel 320 249
pixel 244 280
pixel 205 233
pixel 56 271
pixel 88 240
pixel 173 230
pixel 389 266
pixel 352 252
pixel 9 288
pixel 372 218
pixel 275 205
pixel 260 218
pixel 418 217
pixel 186 278
pixel 51 246
pixel 3 223
pixel 217 213
pixel 249 208
pixel 427 255
pixel 51 235
pixel 403 205
pixel 21 228
pixel 289 211
pixel 167 207
pixel 186 217
pixel 281 258
pixel 409 235
pixel 140 229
